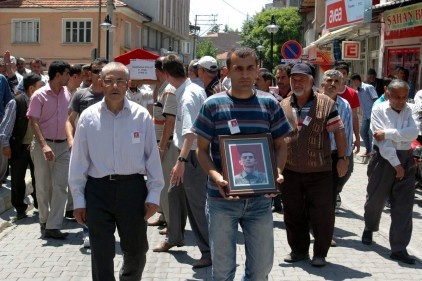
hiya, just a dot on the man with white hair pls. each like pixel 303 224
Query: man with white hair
pixel 208 73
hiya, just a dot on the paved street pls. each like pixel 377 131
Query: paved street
pixel 25 255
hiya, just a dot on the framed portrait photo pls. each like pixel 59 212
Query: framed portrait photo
pixel 248 163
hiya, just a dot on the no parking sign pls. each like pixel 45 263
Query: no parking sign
pixel 291 50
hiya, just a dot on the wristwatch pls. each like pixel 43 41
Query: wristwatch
pixel 343 158
pixel 181 159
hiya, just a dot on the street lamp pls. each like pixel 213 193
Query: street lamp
pixel 272 28
pixel 109 28
pixel 260 49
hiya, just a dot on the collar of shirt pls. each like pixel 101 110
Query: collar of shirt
pixel 126 105
pixel 182 87
pixel 293 101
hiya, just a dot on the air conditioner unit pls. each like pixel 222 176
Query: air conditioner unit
pixel 186 48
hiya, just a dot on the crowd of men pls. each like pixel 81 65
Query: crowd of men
pixel 110 153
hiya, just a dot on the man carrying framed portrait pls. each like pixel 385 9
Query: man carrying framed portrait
pixel 251 112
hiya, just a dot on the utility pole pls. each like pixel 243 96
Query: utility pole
pixel 203 22
pixel 110 9
pixel 99 29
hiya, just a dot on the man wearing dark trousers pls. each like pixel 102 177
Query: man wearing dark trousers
pixel 113 149
pixel 391 170
pixel 16 137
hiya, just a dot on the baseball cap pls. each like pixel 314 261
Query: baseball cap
pixel 209 63
pixel 301 68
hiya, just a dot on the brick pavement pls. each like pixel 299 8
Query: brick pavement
pixel 25 255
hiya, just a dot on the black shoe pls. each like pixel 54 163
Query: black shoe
pixel 367 237
pixel 21 215
pixel 42 225
pixel 293 257
pixel 55 234
pixel 403 256
pixel 69 215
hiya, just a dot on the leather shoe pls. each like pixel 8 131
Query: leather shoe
pixel 163 231
pixel 165 247
pixel 21 215
pixel 293 257
pixel 403 256
pixel 203 262
pixel 318 262
pixel 55 234
pixel 156 222
pixel 367 237
pixel 333 243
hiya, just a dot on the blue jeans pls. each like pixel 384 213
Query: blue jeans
pixel 255 217
pixel 366 134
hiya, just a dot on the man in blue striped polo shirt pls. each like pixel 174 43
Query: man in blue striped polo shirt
pixel 252 112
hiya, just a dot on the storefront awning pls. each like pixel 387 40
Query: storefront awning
pixel 336 34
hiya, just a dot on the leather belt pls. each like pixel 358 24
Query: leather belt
pixel 56 141
pixel 123 177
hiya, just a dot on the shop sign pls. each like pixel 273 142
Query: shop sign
pixel 339 13
pixel 350 50
pixel 403 18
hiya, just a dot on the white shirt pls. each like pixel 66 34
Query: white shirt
pixel 400 130
pixel 142 96
pixel 107 144
pixel 190 98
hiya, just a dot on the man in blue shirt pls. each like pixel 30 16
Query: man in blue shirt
pixel 367 96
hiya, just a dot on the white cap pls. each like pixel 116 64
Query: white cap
pixel 209 63
pixel 12 59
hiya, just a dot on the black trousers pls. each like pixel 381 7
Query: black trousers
pixel 307 197
pixel 111 204
pixel 19 162
pixel 340 182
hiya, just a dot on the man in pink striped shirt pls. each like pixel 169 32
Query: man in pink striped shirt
pixel 47 112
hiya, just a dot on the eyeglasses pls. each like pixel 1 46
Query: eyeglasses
pixel 96 70
pixel 111 82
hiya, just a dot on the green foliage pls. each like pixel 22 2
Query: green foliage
pixel 254 31
pixel 206 48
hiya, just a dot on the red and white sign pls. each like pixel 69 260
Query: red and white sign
pixel 339 13
pixel 350 50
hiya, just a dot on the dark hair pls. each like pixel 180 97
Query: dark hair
pixel 30 79
pixel 174 67
pixel 356 76
pixel 241 52
pixel 266 75
pixel 159 63
pixel 36 60
pixel 57 66
pixel 98 61
pixel 342 65
pixel 284 67
pixel 75 69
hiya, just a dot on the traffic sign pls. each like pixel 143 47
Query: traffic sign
pixel 291 50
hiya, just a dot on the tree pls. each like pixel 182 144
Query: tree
pixel 254 31
pixel 206 48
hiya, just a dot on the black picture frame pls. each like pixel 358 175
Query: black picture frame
pixel 244 177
